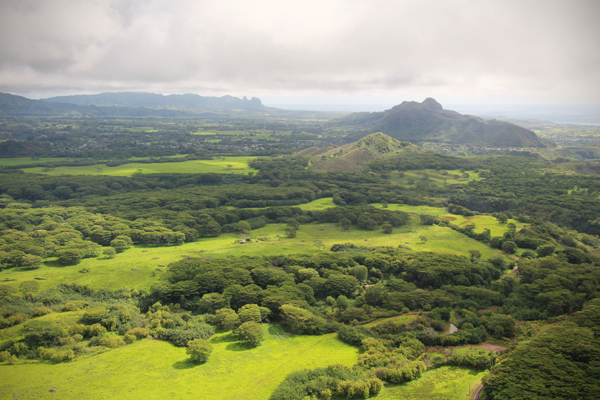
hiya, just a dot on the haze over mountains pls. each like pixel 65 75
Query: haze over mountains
pixel 425 122
pixel 125 104
pixel 140 99
pixel 410 121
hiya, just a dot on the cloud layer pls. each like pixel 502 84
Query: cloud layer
pixel 532 50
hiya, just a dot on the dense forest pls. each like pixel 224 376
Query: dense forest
pixel 535 293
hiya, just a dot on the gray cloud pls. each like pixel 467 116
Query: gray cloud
pixel 536 50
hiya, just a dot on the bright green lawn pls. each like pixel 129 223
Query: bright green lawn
pixel 444 383
pixel 151 369
pixel 239 165
pixel 137 267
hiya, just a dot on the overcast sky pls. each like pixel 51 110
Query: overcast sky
pixel 302 52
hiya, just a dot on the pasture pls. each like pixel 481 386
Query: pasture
pixel 152 369
pixel 226 165
pixel 444 383
pixel 481 221
pixel 400 319
pixel 432 176
pixel 139 267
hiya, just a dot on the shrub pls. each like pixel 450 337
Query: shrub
pixel 180 337
pixel 112 342
pixel 139 333
pixel 250 333
pixel 39 311
pixel 199 350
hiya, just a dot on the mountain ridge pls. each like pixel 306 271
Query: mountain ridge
pixel 149 100
pixel 419 123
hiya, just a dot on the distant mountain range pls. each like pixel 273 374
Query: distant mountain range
pixel 420 123
pixel 150 100
pixel 128 104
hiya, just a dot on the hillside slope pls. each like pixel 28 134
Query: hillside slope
pixel 424 122
pixel 355 156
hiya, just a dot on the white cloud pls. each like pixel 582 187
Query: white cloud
pixel 545 50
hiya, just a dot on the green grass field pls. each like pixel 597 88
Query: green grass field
pixel 239 165
pixel 151 369
pixel 481 221
pixel 400 319
pixel 444 383
pixel 438 178
pixel 137 266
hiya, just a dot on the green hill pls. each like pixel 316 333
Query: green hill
pixel 355 156
pixel 424 122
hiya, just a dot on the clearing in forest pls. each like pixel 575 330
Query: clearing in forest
pixel 151 369
pixel 225 165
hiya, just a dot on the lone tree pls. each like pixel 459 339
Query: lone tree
pixel 121 243
pixel 109 252
pixel 387 228
pixel 243 227
pixel 502 218
pixel 509 247
pixel 475 254
pixel 290 230
pixel 345 222
pixel 199 350
pixel 250 333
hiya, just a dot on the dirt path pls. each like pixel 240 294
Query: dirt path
pixel 477 392
pixel 483 345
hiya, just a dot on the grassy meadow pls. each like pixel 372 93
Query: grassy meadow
pixel 400 319
pixel 139 267
pixel 444 383
pixel 433 176
pixel 481 221
pixel 232 165
pixel 152 369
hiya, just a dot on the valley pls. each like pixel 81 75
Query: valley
pixel 305 257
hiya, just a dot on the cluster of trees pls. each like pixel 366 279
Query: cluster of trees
pixel 110 319
pixel 105 311
pixel 28 236
pixel 326 383
pixel 558 363
pixel 415 161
